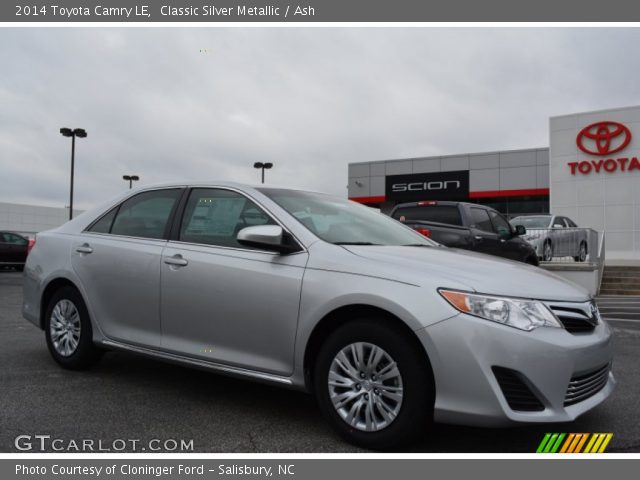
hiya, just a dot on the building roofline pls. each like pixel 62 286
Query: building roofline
pixel 496 152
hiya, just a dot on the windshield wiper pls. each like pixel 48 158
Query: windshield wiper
pixel 416 245
pixel 355 243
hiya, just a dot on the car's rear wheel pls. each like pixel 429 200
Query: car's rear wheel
pixel 68 330
pixel 373 385
pixel 582 253
pixel 547 251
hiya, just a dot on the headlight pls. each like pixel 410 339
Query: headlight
pixel 518 313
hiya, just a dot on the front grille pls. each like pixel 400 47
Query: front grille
pixel 586 385
pixel 576 317
pixel 518 395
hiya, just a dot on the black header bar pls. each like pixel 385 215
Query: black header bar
pixel 230 11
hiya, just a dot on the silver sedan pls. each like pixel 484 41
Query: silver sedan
pixel 388 330
pixel 554 236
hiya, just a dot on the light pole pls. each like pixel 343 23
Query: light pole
pixel 67 132
pixel 131 179
pixel 263 166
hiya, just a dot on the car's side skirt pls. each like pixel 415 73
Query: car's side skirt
pixel 199 363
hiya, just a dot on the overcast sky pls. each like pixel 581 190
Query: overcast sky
pixel 173 104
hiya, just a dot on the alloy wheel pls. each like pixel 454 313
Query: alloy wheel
pixel 65 327
pixel 583 252
pixel 365 386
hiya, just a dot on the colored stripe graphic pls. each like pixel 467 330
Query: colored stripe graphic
pixel 574 443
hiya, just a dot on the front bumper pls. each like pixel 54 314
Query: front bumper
pixel 463 350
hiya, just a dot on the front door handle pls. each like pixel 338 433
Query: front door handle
pixel 176 261
pixel 84 248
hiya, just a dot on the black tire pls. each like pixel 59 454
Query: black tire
pixel 86 353
pixel 582 255
pixel 545 256
pixel 415 413
pixel 532 260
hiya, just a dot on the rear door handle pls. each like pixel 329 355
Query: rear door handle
pixel 176 261
pixel 84 248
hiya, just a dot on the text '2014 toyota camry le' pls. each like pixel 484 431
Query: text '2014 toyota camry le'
pixel 388 329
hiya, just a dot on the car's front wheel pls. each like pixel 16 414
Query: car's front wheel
pixel 374 385
pixel 68 330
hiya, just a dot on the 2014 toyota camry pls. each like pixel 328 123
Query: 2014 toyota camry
pixel 388 329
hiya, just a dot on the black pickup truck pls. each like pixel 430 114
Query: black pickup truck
pixel 468 226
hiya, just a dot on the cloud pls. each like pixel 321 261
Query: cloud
pixel 173 104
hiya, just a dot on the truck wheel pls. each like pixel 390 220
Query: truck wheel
pixel 373 386
pixel 68 330
pixel 532 260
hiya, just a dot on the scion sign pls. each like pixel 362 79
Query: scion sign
pixel 428 186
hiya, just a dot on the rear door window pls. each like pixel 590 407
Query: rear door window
pixel 146 215
pixel 104 224
pixel 447 214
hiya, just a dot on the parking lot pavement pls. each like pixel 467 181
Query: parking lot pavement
pixel 130 397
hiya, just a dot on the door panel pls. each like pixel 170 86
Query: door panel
pixel 485 239
pixel 13 248
pixel 232 306
pixel 118 262
pixel 508 247
pixel 6 252
pixel 225 302
pixel 121 278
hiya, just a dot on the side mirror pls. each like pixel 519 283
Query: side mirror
pixel 558 225
pixel 266 237
pixel 520 230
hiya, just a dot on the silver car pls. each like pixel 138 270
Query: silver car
pixel 554 236
pixel 387 329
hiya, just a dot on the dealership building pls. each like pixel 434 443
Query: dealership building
pixel 590 173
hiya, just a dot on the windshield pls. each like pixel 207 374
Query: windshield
pixel 344 222
pixel 532 222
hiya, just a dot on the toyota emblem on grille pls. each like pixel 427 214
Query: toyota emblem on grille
pixel 603 138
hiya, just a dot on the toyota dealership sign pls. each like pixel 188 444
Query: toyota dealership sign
pixel 603 139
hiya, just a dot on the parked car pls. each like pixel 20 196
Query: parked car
pixel 14 249
pixel 554 236
pixel 386 328
pixel 467 226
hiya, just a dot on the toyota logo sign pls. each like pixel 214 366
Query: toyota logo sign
pixel 603 138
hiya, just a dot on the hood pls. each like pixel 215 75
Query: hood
pixel 448 267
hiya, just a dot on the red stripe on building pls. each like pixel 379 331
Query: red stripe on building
pixel 529 192
pixel 378 199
